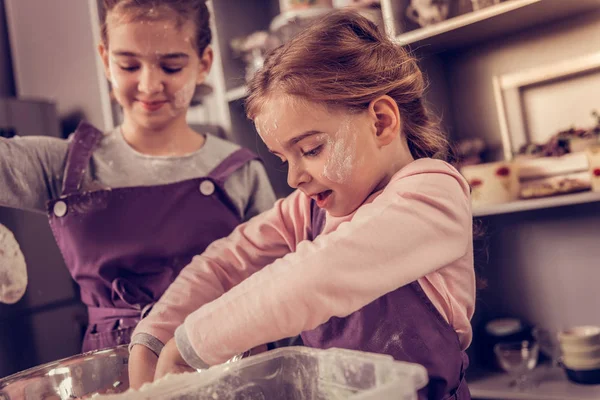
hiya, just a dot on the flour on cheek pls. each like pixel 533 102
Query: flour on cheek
pixel 342 154
pixel 183 96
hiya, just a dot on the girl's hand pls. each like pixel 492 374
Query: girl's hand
pixel 142 365
pixel 170 361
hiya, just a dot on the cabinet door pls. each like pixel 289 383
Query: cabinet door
pixel 54 56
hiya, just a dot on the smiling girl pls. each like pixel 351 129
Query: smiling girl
pixel 130 207
pixel 372 252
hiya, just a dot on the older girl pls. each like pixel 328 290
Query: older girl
pixel 130 207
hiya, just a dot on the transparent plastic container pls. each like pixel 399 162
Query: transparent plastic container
pixel 297 373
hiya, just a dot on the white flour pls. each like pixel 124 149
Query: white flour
pixel 342 154
pixel 169 386
pixel 266 125
pixel 13 270
pixel 183 96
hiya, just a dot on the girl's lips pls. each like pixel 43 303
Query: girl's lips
pixel 153 105
pixel 322 198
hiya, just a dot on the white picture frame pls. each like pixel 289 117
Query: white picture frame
pixel 507 90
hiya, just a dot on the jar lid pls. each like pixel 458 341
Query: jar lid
pixel 504 326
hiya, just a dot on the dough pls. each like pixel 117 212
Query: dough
pixel 13 270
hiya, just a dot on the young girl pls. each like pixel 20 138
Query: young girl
pixel 129 208
pixel 374 250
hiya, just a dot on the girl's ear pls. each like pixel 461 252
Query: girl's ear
pixel 104 56
pixel 386 119
pixel 205 64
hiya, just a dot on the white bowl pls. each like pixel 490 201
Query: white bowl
pixel 580 337
pixel 584 351
pixel 580 363
pixel 79 376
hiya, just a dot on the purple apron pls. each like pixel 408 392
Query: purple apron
pixel 404 324
pixel 125 246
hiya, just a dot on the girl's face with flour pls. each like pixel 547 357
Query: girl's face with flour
pixel 336 157
pixel 153 65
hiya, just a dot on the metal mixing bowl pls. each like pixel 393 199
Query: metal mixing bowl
pixel 80 376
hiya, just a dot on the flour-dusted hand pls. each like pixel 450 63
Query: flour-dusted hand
pixel 13 270
pixel 142 366
pixel 171 361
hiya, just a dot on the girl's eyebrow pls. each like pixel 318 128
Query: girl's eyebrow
pixel 296 140
pixel 174 56
pixel 301 137
pixel 161 56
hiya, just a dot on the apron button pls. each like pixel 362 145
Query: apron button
pixel 207 188
pixel 60 208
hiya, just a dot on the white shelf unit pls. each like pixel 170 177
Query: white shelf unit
pixel 536 204
pixel 467 29
pixel 234 19
pixel 548 384
pixel 72 77
pixel 486 24
pixel 231 19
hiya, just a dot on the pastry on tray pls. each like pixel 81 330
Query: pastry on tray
pixel 492 183
pixel 560 184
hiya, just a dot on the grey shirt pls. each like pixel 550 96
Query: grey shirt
pixel 32 171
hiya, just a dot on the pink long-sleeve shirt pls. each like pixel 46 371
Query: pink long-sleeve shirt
pixel 266 281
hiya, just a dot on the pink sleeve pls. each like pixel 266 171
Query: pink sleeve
pixel 419 224
pixel 227 262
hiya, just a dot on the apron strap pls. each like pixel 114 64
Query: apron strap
pixel 82 145
pixel 462 392
pixel 232 163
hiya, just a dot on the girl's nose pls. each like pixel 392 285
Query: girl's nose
pixel 150 81
pixel 297 175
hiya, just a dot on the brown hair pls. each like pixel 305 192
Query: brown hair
pixel 344 60
pixel 184 10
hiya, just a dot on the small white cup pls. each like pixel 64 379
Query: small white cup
pixel 580 363
pixel 580 337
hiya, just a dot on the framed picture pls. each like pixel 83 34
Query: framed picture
pixel 535 104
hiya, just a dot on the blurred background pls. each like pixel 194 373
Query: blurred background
pixel 516 84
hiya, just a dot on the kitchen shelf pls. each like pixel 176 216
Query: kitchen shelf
pixel 549 384
pixel 237 93
pixel 488 23
pixel 492 22
pixel 535 204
